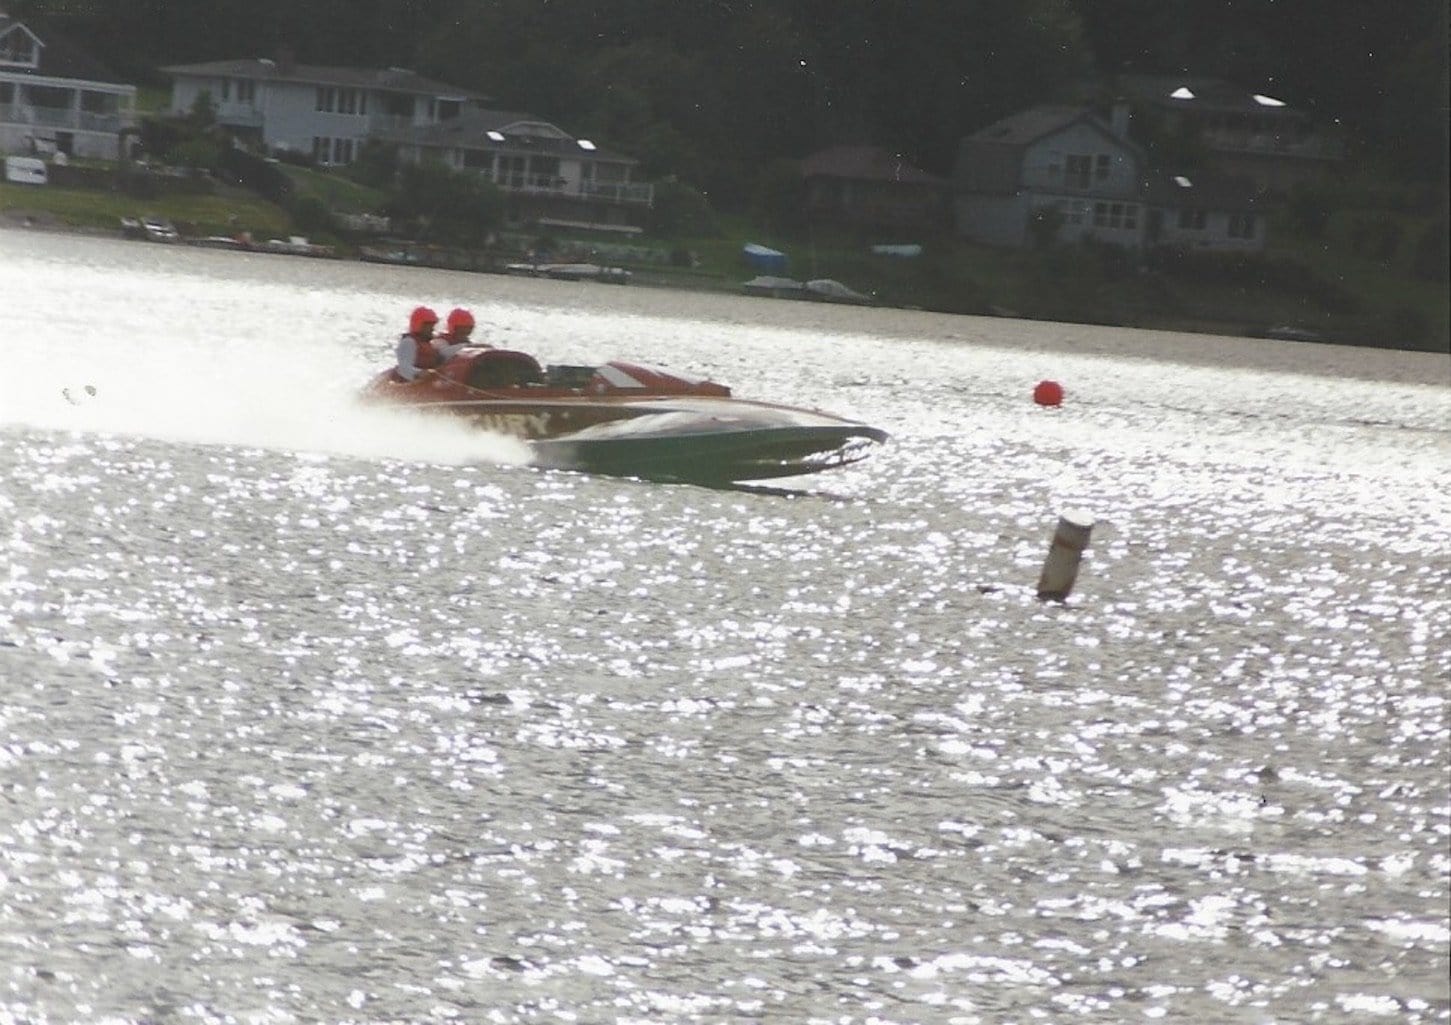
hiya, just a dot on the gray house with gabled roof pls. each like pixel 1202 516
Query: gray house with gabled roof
pixel 1065 174
pixel 56 98
pixel 1063 159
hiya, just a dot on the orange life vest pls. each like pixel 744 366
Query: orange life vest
pixel 425 356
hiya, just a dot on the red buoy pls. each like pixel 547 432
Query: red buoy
pixel 1048 393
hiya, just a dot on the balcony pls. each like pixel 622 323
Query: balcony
pixel 1310 147
pixel 389 124
pixel 240 115
pixel 66 118
pixel 619 192
pixel 642 193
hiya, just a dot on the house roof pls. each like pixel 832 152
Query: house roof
pixel 1029 125
pixel 521 131
pixel 866 163
pixel 1203 94
pixel 60 57
pixel 991 159
pixel 400 80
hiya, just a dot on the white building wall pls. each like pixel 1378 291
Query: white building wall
pixel 1216 233
pixel 993 220
pixel 286 112
pixel 292 119
pixel 1112 168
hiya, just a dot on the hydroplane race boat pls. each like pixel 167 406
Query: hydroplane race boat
pixel 630 419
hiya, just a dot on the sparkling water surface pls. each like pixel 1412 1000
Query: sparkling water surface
pixel 317 713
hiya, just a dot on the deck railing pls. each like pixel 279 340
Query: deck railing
pixel 1311 146
pixel 545 184
pixel 63 117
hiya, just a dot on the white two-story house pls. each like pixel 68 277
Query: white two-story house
pixel 547 174
pixel 327 112
pixel 56 98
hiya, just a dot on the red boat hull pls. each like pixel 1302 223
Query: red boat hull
pixel 630 419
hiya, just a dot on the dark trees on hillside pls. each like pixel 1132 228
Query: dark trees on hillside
pixel 710 90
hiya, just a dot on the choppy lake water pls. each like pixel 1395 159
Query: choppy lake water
pixel 316 714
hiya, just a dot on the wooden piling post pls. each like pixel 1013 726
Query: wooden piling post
pixel 1060 569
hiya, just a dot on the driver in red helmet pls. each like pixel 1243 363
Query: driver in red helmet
pixel 416 352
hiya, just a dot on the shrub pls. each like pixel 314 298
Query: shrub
pixel 199 151
pixel 682 212
pixel 1044 225
pixel 310 214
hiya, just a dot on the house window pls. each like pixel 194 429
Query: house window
pixel 351 101
pixel 331 100
pixel 51 97
pixel 1192 220
pixel 327 150
pixel 1116 215
pixel 226 90
pixel 511 171
pixel 1242 226
pixel 544 172
pixel 1077 167
pixel 1100 166
pixel 99 103
pixel 246 91
pixel 1072 210
pixel 397 105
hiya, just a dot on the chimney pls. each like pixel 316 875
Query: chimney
pixel 286 59
pixel 1118 119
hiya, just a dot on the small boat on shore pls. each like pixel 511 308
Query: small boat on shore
pixel 630 419
pixel 149 228
pixel 570 272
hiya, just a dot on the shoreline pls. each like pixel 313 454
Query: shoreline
pixel 1200 346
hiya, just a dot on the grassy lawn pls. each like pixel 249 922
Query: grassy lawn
pixel 340 194
pixel 192 214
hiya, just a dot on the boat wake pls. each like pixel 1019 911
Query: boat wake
pixel 243 404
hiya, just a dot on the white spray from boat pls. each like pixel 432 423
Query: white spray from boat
pixel 250 386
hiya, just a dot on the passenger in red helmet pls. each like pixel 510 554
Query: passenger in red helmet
pixel 460 333
pixel 416 352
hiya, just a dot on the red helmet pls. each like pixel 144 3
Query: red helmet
pixel 460 318
pixel 421 318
